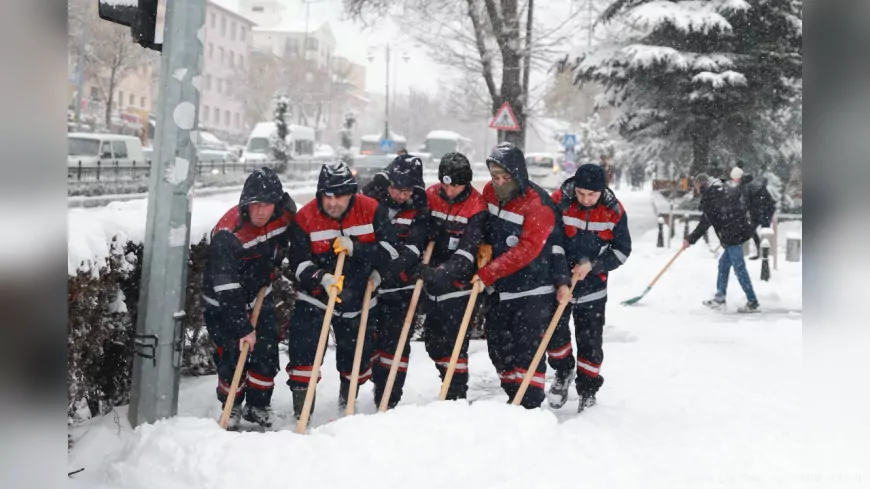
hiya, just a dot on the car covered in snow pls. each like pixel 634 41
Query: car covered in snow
pixel 97 149
pixel 545 169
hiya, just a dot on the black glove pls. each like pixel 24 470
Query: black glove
pixel 424 272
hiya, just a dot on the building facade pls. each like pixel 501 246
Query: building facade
pixel 226 55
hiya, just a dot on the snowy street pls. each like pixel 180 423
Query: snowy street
pixel 692 398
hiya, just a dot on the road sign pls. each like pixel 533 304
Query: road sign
pixel 569 140
pixel 504 119
pixel 386 145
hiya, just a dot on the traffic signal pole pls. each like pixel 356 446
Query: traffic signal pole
pixel 159 328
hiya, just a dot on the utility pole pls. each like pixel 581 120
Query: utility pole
pixel 158 342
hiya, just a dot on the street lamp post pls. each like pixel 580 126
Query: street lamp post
pixel 371 58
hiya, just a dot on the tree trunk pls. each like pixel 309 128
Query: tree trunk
pixel 511 81
pixel 701 139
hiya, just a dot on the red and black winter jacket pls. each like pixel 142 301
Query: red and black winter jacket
pixel 599 234
pixel 523 233
pixel 411 223
pixel 241 260
pixel 375 245
pixel 457 229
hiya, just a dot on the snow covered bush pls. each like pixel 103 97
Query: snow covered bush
pixel 103 303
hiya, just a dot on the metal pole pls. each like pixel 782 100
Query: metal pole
pixel 156 367
pixel 387 104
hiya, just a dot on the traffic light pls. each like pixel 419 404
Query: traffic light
pixel 139 15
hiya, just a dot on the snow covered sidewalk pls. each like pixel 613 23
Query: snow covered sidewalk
pixel 693 398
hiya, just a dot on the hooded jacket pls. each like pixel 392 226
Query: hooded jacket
pixel 599 235
pixel 242 257
pixel 525 234
pixel 375 246
pixel 723 208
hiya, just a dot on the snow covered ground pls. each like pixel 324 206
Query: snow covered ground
pixel 693 398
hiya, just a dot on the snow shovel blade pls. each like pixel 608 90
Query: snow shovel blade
pixel 635 300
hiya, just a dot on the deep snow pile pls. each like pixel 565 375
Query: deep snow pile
pixel 692 398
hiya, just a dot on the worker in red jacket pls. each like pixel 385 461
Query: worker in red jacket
pixel 523 285
pixel 597 241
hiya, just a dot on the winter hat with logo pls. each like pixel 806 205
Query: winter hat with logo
pixel 590 177
pixel 736 173
pixel 406 171
pixel 454 169
pixel 336 179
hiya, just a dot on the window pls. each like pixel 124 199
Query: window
pixel 95 93
pixel 210 51
pixel 257 8
pixel 120 148
pixel 227 118
pixel 132 99
pixel 242 32
pixel 106 151
pixel 233 31
pixel 311 44
pixel 211 20
pixel 221 54
pixel 241 62
pixel 232 58
pixel 205 113
pixel 220 86
pixel 236 119
pixel 207 82
pixel 120 99
pixel 223 26
pixel 142 102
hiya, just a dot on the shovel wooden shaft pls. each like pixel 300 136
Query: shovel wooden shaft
pixel 240 365
pixel 403 337
pixel 460 339
pixel 321 347
pixel 357 356
pixel 527 379
pixel 662 272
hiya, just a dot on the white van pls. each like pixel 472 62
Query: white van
pixel 91 149
pixel 300 140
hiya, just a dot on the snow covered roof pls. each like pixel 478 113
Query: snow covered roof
pixel 441 134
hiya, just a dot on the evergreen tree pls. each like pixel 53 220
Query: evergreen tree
pixel 278 140
pixel 699 77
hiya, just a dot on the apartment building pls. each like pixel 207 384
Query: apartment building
pixel 226 51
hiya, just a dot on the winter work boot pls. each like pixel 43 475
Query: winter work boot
pixel 716 302
pixel 379 393
pixel 261 415
pixel 235 417
pixel 587 387
pixel 299 402
pixel 558 394
pixel 749 308
pixel 344 395
pixel 456 392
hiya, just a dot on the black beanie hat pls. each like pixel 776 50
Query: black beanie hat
pixel 262 185
pixel 590 177
pixel 406 171
pixel 454 169
pixel 336 179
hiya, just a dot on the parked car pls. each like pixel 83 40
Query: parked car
pixel 545 170
pixel 94 149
